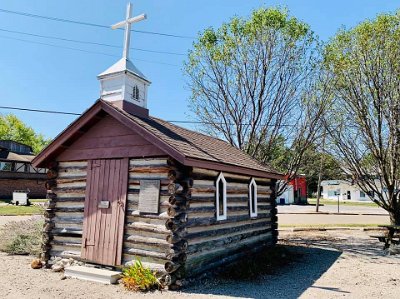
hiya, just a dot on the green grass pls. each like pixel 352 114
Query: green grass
pixel 328 202
pixel 7 201
pixel 11 210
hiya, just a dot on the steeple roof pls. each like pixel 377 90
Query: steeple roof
pixel 123 65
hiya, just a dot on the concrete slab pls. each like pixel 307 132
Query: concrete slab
pixel 93 274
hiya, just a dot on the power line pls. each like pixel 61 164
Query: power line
pixel 81 50
pixel 86 42
pixel 78 114
pixel 88 24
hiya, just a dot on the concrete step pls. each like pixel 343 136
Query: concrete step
pixel 93 274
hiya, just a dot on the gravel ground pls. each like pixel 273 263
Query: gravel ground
pixel 333 264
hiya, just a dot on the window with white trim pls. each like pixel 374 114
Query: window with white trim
pixel 220 197
pixel 253 198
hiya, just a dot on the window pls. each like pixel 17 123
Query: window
pixel 135 93
pixel 253 198
pixel 220 197
pixel 362 194
pixel 5 166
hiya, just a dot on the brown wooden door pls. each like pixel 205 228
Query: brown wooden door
pixel 104 216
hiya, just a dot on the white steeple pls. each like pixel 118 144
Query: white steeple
pixel 123 81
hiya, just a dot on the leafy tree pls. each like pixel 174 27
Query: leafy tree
pixel 253 82
pixel 311 165
pixel 364 122
pixel 12 128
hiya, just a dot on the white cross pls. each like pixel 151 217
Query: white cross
pixel 127 24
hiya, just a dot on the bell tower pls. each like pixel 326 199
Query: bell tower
pixel 124 81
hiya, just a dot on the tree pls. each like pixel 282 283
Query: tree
pixel 253 83
pixel 12 128
pixel 364 122
pixel 311 165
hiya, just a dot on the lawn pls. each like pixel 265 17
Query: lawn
pixel 12 210
pixel 313 201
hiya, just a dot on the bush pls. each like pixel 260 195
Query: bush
pixel 22 237
pixel 139 278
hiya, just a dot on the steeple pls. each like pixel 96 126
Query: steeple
pixel 123 81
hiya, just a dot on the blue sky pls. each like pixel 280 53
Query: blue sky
pixel 44 77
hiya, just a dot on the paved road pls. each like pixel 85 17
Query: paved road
pixel 321 219
pixel 332 209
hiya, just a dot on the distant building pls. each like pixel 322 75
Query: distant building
pixel 331 189
pixel 295 193
pixel 17 172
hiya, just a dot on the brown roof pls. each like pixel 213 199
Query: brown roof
pixel 186 146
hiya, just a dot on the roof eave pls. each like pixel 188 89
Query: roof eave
pixel 231 168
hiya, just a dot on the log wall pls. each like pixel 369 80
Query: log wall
pixel 184 238
pixel 145 234
pixel 211 242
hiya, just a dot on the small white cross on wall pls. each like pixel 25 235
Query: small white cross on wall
pixel 127 24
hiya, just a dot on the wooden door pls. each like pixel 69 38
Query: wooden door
pixel 104 216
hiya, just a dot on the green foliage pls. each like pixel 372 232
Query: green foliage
pixel 310 166
pixel 222 42
pixel 22 237
pixel 363 121
pixel 139 278
pixel 12 128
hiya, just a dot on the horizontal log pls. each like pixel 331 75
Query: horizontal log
pixel 66 231
pixel 149 169
pixel 69 204
pixel 226 230
pixel 73 164
pixel 65 209
pixel 146 240
pixel 147 176
pixel 67 220
pixel 218 252
pixel 225 240
pixel 126 258
pixel 139 226
pixel 145 253
pixel 148 162
pixel 195 269
pixel 206 221
pixel 71 180
pixel 238 222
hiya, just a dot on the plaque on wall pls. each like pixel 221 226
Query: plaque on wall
pixel 149 196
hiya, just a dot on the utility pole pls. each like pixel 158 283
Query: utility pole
pixel 320 173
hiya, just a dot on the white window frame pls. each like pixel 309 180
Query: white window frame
pixel 253 183
pixel 224 212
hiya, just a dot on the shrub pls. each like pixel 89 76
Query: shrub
pixel 139 278
pixel 22 237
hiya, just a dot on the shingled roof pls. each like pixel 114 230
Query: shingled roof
pixel 186 146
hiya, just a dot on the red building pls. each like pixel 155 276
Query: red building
pixel 299 184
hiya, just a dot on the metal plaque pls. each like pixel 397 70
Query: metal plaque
pixel 104 204
pixel 149 196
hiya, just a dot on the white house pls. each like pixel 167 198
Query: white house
pixel 331 189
